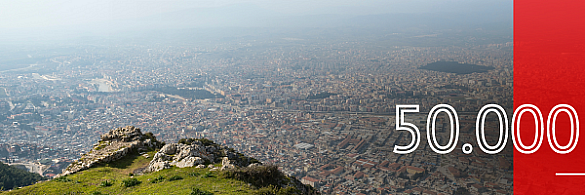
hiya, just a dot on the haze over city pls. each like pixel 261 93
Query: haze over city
pixel 46 20
pixel 310 86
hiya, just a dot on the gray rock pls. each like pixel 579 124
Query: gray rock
pixel 183 151
pixel 157 166
pixel 254 165
pixel 169 149
pixel 181 155
pixel 226 164
pixel 126 134
pixel 189 162
pixel 159 156
pixel 114 145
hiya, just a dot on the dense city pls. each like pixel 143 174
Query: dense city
pixel 323 110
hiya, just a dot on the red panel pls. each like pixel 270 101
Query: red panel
pixel 549 69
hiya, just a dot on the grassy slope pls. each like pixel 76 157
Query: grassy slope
pixel 88 181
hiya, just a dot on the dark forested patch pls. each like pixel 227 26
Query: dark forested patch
pixel 11 177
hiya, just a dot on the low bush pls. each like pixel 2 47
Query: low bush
pixel 130 182
pixel 62 179
pixel 176 177
pixel 186 141
pixel 273 190
pixel 197 191
pixel 157 179
pixel 259 176
pixel 106 184
pixel 206 175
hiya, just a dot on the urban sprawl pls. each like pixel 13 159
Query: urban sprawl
pixel 323 111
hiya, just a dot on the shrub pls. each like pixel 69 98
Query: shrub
pixel 106 184
pixel 149 135
pixel 157 179
pixel 259 176
pixel 245 161
pixel 62 179
pixel 130 182
pixel 186 141
pixel 206 175
pixel 268 190
pixel 176 177
pixel 273 190
pixel 206 142
pixel 97 193
pixel 288 190
pixel 197 191
pixel 253 160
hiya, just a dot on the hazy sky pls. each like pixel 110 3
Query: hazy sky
pixel 24 14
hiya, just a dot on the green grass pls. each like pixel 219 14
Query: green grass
pixel 63 179
pixel 101 145
pixel 90 181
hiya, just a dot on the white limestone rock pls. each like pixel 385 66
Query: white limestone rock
pixel 188 162
pixel 226 164
pixel 254 165
pixel 169 149
pixel 157 166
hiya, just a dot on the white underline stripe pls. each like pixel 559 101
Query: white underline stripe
pixel 570 174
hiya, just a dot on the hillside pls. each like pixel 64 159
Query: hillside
pixel 11 177
pixel 129 162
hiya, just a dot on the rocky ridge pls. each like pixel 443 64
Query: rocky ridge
pixel 197 153
pixel 113 145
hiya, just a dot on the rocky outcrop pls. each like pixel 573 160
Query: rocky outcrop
pixel 226 164
pixel 118 143
pixel 126 134
pixel 182 155
pixel 196 153
pixel 113 145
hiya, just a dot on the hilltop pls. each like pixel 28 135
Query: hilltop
pixel 126 161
